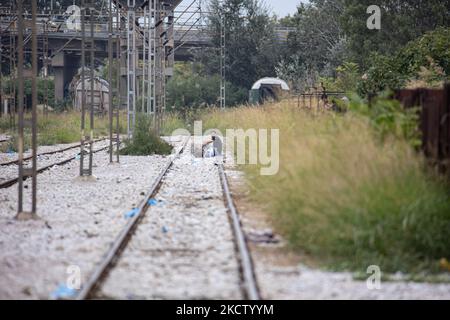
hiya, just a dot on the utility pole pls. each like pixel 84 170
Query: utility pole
pixel 151 60
pixel 112 111
pixel 119 71
pixel 131 67
pixel 27 172
pixel 12 101
pixel 222 62
pixel 1 76
pixel 145 60
pixel 86 140
pixel 83 86
pixel 92 60
pixel 45 63
pixel 159 61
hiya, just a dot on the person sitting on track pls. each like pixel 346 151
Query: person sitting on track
pixel 212 148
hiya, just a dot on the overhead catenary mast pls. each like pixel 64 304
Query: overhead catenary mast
pixel 22 213
pixel 87 140
pixel 222 61
pixel 113 112
pixel 131 67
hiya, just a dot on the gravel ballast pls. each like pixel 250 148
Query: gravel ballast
pixel 7 157
pixel 183 248
pixel 79 221
pixel 8 172
pixel 301 282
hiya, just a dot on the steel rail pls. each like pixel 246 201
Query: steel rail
pixel 45 153
pixel 12 182
pixel 125 235
pixel 250 287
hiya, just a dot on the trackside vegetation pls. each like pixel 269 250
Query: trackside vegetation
pixel 144 141
pixel 351 191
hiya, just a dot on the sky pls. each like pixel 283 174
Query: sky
pixel 284 7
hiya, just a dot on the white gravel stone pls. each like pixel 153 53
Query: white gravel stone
pixel 8 172
pixel 301 282
pixel 183 248
pixel 7 157
pixel 79 221
pixel 4 138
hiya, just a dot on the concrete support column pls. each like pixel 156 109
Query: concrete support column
pixel 65 68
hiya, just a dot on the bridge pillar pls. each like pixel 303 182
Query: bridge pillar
pixel 65 68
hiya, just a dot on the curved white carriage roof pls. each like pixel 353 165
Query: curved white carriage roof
pixel 100 84
pixel 273 81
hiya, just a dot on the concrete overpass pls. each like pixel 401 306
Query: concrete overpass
pixel 64 42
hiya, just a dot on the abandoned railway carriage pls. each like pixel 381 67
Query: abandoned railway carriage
pixel 268 89
pixel 101 94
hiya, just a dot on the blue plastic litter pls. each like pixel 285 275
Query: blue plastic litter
pixel 77 157
pixel 132 213
pixel 152 202
pixel 165 229
pixel 63 292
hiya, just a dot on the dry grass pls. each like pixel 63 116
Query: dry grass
pixel 62 128
pixel 345 196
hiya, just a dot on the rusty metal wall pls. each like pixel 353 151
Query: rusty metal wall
pixel 434 121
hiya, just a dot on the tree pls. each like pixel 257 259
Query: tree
pixel 251 47
pixel 426 58
pixel 401 22
pixel 190 87
pixel 318 45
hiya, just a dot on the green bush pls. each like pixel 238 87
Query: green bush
pixel 431 51
pixel 389 118
pixel 191 88
pixel 434 45
pixel 347 79
pixel 63 105
pixel 145 141
pixel 382 74
pixel 7 87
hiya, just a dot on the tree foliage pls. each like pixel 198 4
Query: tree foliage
pixel 42 89
pixel 431 53
pixel 401 22
pixel 144 141
pixel 191 87
pixel 329 35
pixel 318 37
pixel 251 47
pixel 318 44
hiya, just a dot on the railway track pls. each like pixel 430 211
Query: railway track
pixel 16 161
pixel 248 285
pixel 10 182
pixel 251 290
